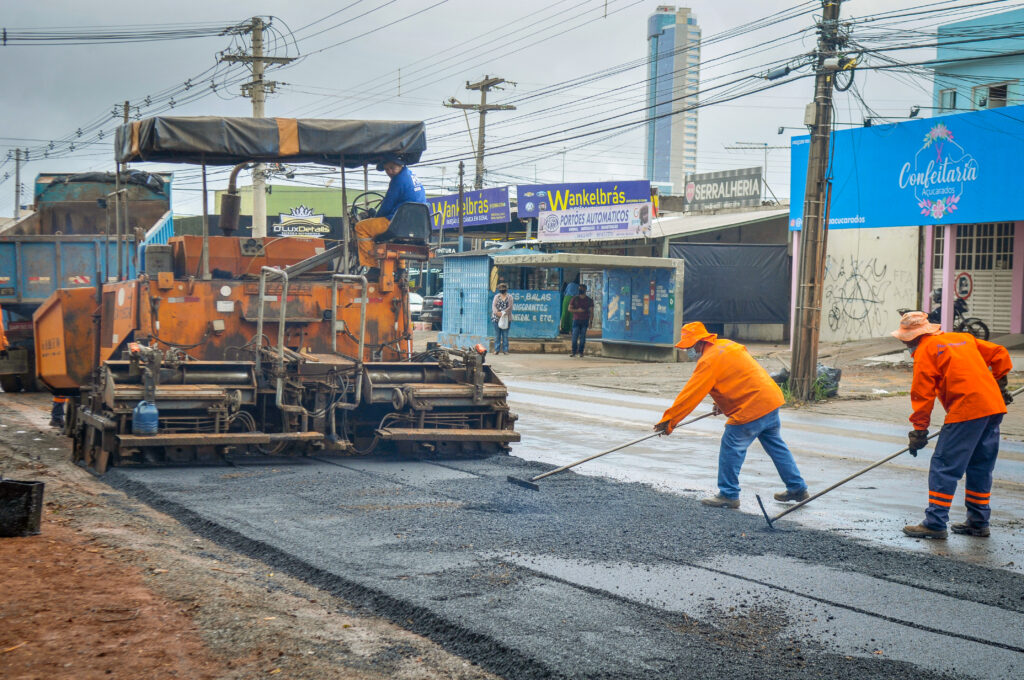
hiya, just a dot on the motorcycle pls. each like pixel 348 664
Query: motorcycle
pixel 961 322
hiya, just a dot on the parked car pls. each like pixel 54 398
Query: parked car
pixel 415 305
pixel 433 305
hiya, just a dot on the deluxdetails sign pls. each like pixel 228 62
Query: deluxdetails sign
pixel 596 224
pixel 300 221
pixel 945 170
pixel 485 206
pixel 534 199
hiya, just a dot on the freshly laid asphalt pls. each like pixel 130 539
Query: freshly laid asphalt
pixel 590 577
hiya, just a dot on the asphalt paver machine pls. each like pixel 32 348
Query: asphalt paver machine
pixel 229 346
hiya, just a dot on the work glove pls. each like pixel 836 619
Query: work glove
pixel 1005 389
pixel 664 427
pixel 917 439
pixel 715 411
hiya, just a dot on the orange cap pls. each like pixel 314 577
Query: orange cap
pixel 693 333
pixel 914 325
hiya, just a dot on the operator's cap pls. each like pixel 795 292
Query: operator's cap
pixel 693 333
pixel 914 325
pixel 390 158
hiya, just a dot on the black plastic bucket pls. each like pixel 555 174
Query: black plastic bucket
pixel 21 507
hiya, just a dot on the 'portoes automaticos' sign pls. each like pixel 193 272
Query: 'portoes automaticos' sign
pixel 596 224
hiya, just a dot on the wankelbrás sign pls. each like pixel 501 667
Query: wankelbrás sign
pixel 484 206
pixel 722 190
pixel 534 199
pixel 300 221
pixel 951 169
pixel 596 224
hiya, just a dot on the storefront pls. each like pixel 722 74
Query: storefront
pixel 637 310
pixel 898 193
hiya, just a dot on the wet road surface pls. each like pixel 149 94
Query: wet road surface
pixel 591 577
pixel 563 423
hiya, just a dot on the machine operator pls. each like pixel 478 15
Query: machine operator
pixel 404 187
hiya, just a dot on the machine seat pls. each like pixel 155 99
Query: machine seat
pixel 411 225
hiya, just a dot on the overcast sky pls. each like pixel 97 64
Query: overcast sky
pixel 352 71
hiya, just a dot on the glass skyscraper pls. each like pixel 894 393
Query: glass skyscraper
pixel 673 39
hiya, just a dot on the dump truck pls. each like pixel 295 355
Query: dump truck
pixel 69 240
pixel 225 346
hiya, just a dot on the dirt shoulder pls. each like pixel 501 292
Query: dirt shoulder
pixel 112 588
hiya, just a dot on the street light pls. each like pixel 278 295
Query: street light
pixel 783 129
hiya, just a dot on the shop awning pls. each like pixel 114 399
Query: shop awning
pixel 689 225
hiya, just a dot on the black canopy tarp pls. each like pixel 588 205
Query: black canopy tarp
pixel 229 141
pixel 734 283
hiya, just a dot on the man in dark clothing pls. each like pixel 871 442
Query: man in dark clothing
pixel 582 309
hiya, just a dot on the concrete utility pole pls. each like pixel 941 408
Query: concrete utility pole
pixel 814 230
pixel 462 197
pixel 17 183
pixel 257 90
pixel 485 85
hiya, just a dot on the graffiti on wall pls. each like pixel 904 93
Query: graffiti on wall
pixel 861 297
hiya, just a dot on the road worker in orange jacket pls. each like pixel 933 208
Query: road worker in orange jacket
pixel 968 376
pixel 3 336
pixel 743 391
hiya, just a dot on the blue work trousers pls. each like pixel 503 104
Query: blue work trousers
pixel 500 338
pixel 969 447
pixel 735 441
pixel 579 336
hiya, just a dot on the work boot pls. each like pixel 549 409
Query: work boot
pixel 787 496
pixel 921 531
pixel 965 528
pixel 720 501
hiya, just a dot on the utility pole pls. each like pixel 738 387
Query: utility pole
pixel 814 230
pixel 757 146
pixel 257 89
pixel 17 183
pixel 462 168
pixel 485 86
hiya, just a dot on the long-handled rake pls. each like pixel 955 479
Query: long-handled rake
pixel 771 520
pixel 530 483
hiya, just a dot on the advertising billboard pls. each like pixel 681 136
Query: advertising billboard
pixel 951 169
pixel 484 206
pixel 534 199
pixel 595 224
pixel 721 190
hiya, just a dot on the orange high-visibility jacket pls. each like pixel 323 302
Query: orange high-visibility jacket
pixel 739 386
pixel 961 371
pixel 3 336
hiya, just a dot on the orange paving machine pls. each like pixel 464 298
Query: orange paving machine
pixel 227 346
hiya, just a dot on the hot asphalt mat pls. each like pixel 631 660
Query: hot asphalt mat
pixel 595 578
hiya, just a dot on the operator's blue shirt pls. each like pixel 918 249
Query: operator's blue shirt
pixel 405 187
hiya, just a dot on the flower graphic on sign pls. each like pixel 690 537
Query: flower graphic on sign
pixel 939 173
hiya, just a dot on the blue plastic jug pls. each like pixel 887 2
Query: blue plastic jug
pixel 145 418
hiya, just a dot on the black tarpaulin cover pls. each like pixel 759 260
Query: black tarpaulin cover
pixel 229 141
pixel 734 283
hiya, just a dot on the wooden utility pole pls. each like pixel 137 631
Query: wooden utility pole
pixel 257 89
pixel 17 183
pixel 814 231
pixel 462 169
pixel 485 85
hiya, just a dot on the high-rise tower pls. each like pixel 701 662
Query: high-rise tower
pixel 673 39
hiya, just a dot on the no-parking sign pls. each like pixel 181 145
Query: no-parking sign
pixel 964 285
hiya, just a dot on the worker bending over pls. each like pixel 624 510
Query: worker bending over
pixel 968 376
pixel 744 391
pixel 403 188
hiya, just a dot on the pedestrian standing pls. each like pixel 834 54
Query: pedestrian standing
pixel 501 315
pixel 742 390
pixel 968 376
pixel 582 309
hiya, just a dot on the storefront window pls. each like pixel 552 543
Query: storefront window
pixel 979 247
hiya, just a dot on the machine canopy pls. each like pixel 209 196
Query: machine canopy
pixel 228 141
